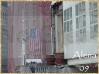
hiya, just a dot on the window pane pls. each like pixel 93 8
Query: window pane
pixel 71 25
pixel 70 12
pixel 95 16
pixel 90 5
pixel 64 26
pixel 80 21
pixel 67 14
pixel 90 17
pixel 83 6
pixel 84 20
pixel 67 26
pixel 80 31
pixel 95 5
pixel 84 33
pixel 76 10
pixel 96 28
pixel 77 24
pixel 77 35
pixel 64 15
pixel 91 32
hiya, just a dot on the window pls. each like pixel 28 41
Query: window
pixel 80 8
pixel 65 26
pixel 68 25
pixel 64 15
pixel 93 11
pixel 80 22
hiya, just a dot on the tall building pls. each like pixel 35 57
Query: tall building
pixel 15 53
pixel 38 24
pixel 29 32
pixel 4 37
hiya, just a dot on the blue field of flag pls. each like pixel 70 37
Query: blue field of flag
pixel 33 32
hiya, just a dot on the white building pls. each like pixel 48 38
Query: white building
pixel 80 20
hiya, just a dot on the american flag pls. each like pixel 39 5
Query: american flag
pixel 34 43
pixel 36 47
pixel 34 37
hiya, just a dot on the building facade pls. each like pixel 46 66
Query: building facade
pixel 80 21
pixel 38 41
pixel 4 37
pixel 15 53
pixel 29 32
pixel 77 32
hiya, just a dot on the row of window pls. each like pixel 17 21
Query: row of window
pixel 4 18
pixel 68 14
pixel 93 10
pixel 93 16
pixel 4 10
pixel 80 8
pixel 4 23
pixel 68 26
pixel 81 22
pixel 4 32
pixel 4 13
pixel 93 5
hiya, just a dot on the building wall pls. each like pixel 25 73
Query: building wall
pixel 30 32
pixel 88 44
pixel 15 27
pixel 4 33
pixel 59 34
pixel 46 15
pixel 33 18
pixel 41 22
